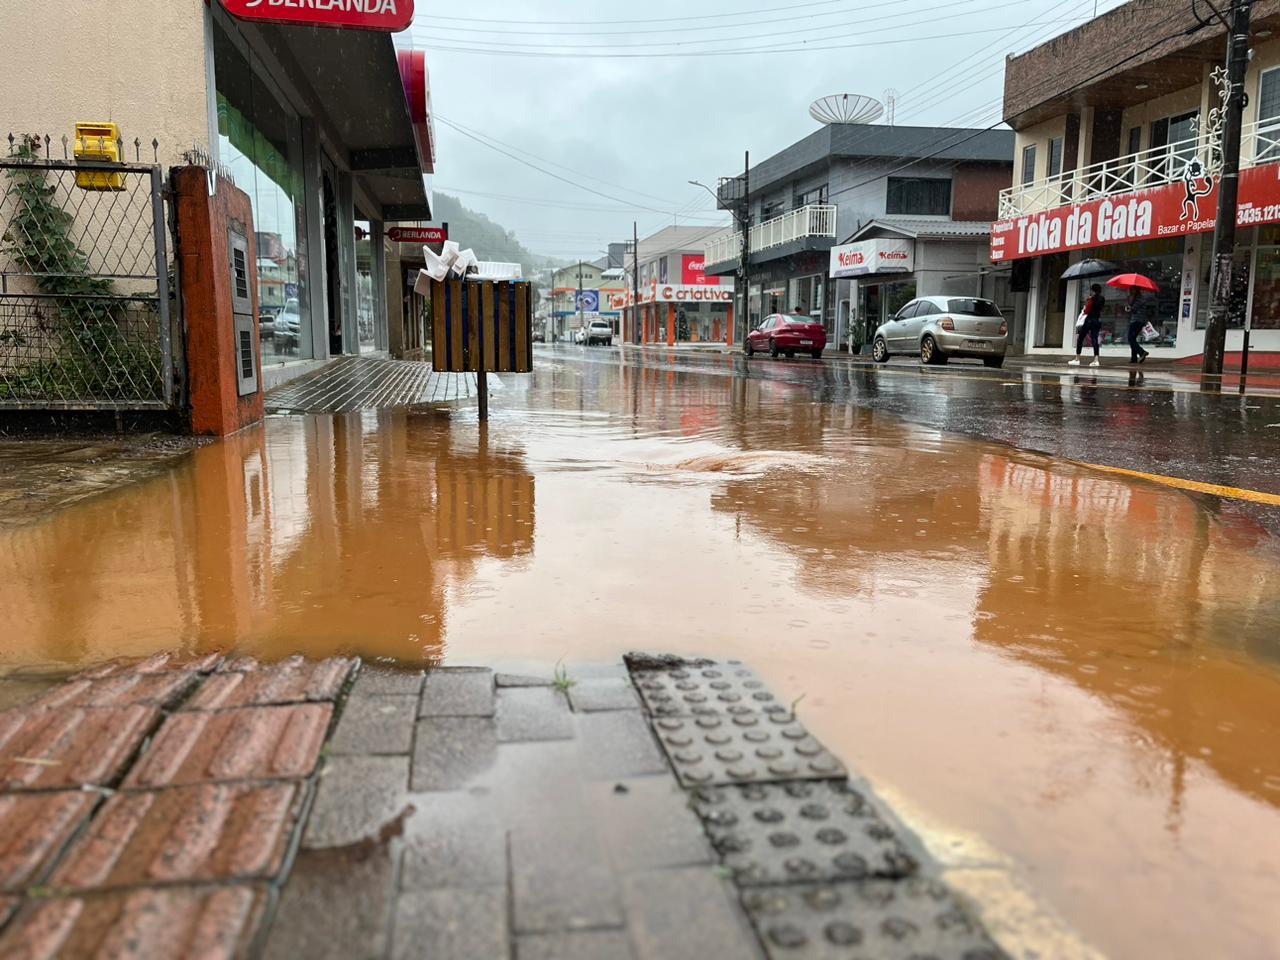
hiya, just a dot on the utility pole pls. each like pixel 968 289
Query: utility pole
pixel 635 282
pixel 1224 234
pixel 580 323
pixel 744 270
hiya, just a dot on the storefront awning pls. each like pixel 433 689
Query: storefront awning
pixel 352 79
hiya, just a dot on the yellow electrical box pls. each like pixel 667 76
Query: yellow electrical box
pixel 99 142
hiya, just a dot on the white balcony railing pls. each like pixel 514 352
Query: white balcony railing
pixel 1137 171
pixel 815 220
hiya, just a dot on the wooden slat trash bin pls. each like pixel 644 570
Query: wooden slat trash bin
pixel 481 326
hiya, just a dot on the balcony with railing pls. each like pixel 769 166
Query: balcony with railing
pixel 1155 167
pixel 816 221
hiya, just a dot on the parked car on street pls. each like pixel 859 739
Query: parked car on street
pixel 787 334
pixel 938 328
pixel 266 322
pixel 285 332
pixel 598 331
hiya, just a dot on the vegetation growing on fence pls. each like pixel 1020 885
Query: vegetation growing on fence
pixel 88 345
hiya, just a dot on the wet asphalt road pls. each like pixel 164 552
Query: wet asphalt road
pixel 1159 423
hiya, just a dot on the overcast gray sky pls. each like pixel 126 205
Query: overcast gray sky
pixel 572 87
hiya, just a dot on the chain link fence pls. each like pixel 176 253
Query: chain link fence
pixel 85 306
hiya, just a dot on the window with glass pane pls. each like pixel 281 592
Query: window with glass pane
pixel 260 141
pixel 1055 157
pixel 1028 164
pixel 818 195
pixel 919 196
pixel 1268 141
pixel 364 287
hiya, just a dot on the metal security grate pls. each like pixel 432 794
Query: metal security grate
pixel 84 286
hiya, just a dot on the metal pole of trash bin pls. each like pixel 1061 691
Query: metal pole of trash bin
pixel 482 393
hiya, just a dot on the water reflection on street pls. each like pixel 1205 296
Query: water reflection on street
pixel 1081 669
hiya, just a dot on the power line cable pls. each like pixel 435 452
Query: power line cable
pixel 821 28
pixel 676 54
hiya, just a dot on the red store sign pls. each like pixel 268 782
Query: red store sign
pixel 388 16
pixel 693 271
pixel 417 234
pixel 1171 210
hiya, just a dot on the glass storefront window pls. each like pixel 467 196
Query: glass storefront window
pixel 1161 261
pixel 364 287
pixel 1256 259
pixel 260 140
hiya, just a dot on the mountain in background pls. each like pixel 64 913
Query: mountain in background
pixel 490 241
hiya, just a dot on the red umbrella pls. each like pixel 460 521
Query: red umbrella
pixel 1134 281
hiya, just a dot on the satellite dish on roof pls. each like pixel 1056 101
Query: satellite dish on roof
pixel 846 108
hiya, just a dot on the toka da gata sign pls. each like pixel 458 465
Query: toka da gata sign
pixel 388 16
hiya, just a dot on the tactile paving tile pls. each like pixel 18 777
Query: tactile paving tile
pixel 744 748
pixel 885 919
pixel 770 833
pixel 705 690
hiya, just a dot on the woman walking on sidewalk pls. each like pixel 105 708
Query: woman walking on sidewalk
pixel 1138 315
pixel 1090 326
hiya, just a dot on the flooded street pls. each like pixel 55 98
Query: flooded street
pixel 1080 669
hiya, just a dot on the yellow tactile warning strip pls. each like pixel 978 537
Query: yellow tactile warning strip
pixel 1213 489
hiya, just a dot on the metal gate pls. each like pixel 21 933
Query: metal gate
pixel 84 283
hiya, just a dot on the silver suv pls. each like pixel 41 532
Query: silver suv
pixel 938 328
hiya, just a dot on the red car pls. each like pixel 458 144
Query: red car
pixel 787 333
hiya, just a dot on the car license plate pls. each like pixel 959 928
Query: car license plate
pixel 978 344
pixel 806 343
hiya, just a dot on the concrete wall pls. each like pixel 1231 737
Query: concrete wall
pixel 975 190
pixel 140 64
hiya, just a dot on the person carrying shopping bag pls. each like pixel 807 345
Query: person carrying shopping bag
pixel 1137 308
pixel 1089 324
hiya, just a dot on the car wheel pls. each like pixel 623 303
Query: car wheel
pixel 880 351
pixel 773 349
pixel 929 352
pixel 748 348
pixel 817 354
pixel 993 361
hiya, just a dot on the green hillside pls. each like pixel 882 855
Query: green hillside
pixel 490 241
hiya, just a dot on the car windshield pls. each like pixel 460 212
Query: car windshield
pixel 973 307
pixel 798 319
pixel 600 325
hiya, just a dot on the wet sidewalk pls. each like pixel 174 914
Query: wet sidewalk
pixel 328 809
pixel 369 383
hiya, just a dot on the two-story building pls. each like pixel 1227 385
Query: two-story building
pixel 679 302
pixel 582 292
pixel 933 190
pixel 1119 159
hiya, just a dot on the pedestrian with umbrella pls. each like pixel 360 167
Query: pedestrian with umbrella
pixel 1089 323
pixel 1137 308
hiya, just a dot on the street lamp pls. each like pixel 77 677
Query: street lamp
pixel 743 222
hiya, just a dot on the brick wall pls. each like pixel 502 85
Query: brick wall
pixel 975 191
pixel 1053 68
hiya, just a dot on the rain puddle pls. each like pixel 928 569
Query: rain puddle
pixel 1082 670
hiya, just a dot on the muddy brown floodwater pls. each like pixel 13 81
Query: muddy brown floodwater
pixel 1082 670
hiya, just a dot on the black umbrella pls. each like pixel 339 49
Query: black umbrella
pixel 1090 268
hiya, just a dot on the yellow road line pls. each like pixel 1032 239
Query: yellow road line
pixel 1213 489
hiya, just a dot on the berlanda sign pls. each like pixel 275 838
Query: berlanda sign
pixel 388 16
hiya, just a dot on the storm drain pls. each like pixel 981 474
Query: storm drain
pixel 823 871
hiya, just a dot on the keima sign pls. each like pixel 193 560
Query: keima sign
pixel 1176 209
pixel 870 257
pixel 387 16
pixel 417 234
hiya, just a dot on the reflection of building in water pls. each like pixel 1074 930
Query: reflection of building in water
pixel 1142 598
pixel 321 535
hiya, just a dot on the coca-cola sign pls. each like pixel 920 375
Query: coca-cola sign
pixel 418 234
pixel 387 16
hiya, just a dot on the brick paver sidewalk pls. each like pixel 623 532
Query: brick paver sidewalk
pixel 659 809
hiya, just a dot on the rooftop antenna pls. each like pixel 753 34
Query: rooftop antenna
pixel 891 106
